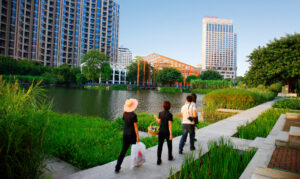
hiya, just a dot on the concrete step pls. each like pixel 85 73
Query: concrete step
pixel 293 116
pixel 268 173
pixel 294 137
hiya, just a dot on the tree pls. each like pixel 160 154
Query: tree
pixel 106 71
pixel 278 61
pixel 93 60
pixel 191 77
pixel 132 71
pixel 211 75
pixel 169 76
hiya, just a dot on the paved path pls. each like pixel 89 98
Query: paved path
pixel 225 128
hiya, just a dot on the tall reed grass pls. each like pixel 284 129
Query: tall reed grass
pixel 262 126
pixel 210 84
pixel 222 161
pixel 288 104
pixel 23 120
pixel 236 98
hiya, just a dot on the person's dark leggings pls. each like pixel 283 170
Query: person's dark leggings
pixel 126 143
pixel 161 138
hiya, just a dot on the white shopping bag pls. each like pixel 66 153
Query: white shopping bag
pixel 137 154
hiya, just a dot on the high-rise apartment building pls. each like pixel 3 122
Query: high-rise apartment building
pixel 57 32
pixel 219 43
pixel 124 56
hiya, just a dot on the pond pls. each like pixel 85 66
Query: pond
pixel 109 104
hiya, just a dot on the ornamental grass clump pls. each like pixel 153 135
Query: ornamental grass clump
pixel 23 120
pixel 236 98
pixel 222 161
pixel 288 104
pixel 210 84
pixel 262 126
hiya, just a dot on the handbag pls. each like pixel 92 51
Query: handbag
pixel 190 118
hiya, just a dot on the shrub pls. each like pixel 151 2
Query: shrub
pixel 261 126
pixel 29 79
pixel 276 87
pixel 23 121
pixel 241 85
pixel 261 87
pixel 222 161
pixel 288 103
pixel 210 84
pixel 169 90
pixel 236 98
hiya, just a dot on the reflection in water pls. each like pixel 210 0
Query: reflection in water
pixel 109 104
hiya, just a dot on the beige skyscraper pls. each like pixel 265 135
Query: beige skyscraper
pixel 219 46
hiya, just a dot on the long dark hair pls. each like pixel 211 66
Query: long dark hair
pixel 194 97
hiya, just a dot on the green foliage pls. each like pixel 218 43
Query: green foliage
pixel 242 85
pixel 201 91
pixel 288 104
pixel 238 79
pixel 211 75
pixel 277 61
pixel 210 84
pixel 29 79
pixel 212 115
pixel 94 60
pixel 191 77
pixel 222 161
pixel 98 87
pixel 106 71
pixel 80 79
pixel 168 76
pixel 262 126
pixel 169 90
pixel 118 87
pixel 85 142
pixel 236 98
pixel 275 87
pixel 11 66
pixel 131 75
pixel 23 120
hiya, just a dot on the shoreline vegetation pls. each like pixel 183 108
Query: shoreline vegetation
pixel 73 138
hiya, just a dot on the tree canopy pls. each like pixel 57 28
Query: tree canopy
pixel 106 71
pixel 278 61
pixel 211 75
pixel 191 77
pixel 93 60
pixel 132 71
pixel 169 76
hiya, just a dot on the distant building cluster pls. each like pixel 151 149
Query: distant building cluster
pixel 57 32
pixel 219 43
pixel 124 56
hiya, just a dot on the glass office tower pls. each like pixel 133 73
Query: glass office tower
pixel 219 43
pixel 57 32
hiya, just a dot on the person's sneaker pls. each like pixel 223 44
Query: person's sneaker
pixel 193 148
pixel 158 162
pixel 180 152
pixel 171 158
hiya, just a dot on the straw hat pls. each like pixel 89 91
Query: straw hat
pixel 130 105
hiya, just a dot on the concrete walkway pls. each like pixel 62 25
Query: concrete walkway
pixel 225 128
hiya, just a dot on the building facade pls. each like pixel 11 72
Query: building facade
pixel 219 46
pixel 124 56
pixel 57 32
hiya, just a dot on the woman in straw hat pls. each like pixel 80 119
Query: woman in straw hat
pixel 131 132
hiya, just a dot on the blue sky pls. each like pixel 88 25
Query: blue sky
pixel 173 28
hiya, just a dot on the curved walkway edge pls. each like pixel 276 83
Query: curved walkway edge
pixel 224 128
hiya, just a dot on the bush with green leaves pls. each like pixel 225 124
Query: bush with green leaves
pixel 211 75
pixel 275 87
pixel 23 120
pixel 222 161
pixel 288 104
pixel 29 79
pixel 236 98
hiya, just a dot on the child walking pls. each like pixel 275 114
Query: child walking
pixel 165 119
